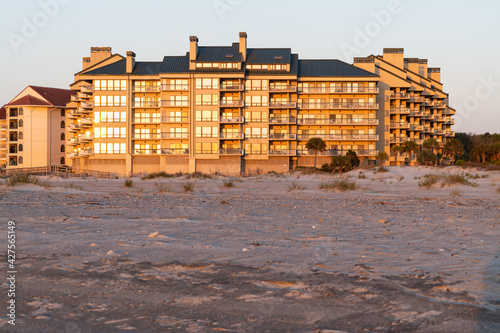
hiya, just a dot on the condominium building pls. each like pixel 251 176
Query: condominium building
pixel 415 106
pixel 34 129
pixel 228 109
pixel 3 137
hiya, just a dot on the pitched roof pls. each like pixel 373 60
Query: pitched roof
pixel 175 64
pixel 55 96
pixel 29 100
pixel 120 68
pixel 3 113
pixel 269 56
pixel 330 67
pixel 219 53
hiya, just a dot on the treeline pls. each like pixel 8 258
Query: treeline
pixel 479 148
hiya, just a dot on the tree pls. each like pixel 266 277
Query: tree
pixel 382 157
pixel 316 145
pixel 397 150
pixel 431 144
pixel 453 148
pixel 353 159
pixel 410 147
pixel 340 163
pixel 426 157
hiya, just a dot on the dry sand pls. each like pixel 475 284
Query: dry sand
pixel 96 256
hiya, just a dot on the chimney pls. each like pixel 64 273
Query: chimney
pixel 434 73
pixel 193 51
pixel 394 56
pixel 98 54
pixel 243 45
pixel 85 63
pixel 130 62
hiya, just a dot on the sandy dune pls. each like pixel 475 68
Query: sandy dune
pixel 96 256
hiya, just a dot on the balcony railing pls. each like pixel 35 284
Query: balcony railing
pixel 416 99
pixel 327 121
pixel 12 126
pixel 283 88
pixel 72 128
pixel 146 104
pixel 282 120
pixel 86 137
pixel 339 90
pixel 400 110
pixel 87 89
pixel 175 135
pixel 282 105
pixel 450 134
pixel 87 105
pixel 155 88
pixel 169 119
pixel 166 87
pixel 86 122
pixel 146 120
pixel 335 152
pixel 339 137
pixel 74 98
pixel 151 151
pixel 400 125
pixel 146 136
pixel 174 151
pixel 232 151
pixel 400 95
pixel 282 152
pixel 282 136
pixel 231 136
pixel 72 155
pixel 73 141
pixel 174 103
pixel 416 113
pixel 399 139
pixel 233 120
pixel 234 103
pixel 338 106
pixel 83 95
pixel 72 114
pixel 232 87
pixel 87 152
pixel 416 127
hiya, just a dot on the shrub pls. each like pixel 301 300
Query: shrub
pixel 128 183
pixel 228 183
pixel 188 186
pixel 198 175
pixel 162 174
pixel 498 189
pixel 446 180
pixel 339 184
pixel 162 187
pixel 459 162
pixel 426 157
pixel 361 175
pixel 295 186
pixel 25 178
pixel 382 169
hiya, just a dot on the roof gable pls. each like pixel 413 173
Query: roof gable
pixel 120 68
pixel 333 67
pixel 173 64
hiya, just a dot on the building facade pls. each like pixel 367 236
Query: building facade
pixel 3 137
pixel 35 128
pixel 229 109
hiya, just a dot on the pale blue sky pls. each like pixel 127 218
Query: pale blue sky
pixel 461 37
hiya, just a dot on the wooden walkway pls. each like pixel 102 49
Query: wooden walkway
pixel 63 172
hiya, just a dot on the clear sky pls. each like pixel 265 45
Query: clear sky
pixel 43 41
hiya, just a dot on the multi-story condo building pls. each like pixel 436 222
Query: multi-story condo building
pixel 3 137
pixel 226 109
pixel 35 125
pixel 411 95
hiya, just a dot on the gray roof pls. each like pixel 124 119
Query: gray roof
pixel 269 56
pixel 119 68
pixel 329 67
pixel 175 64
pixel 219 53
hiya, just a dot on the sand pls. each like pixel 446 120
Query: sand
pixel 390 256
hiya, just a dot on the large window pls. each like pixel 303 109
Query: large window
pixel 207 115
pixel 207 99
pixel 109 132
pixel 256 117
pixel 256 132
pixel 207 132
pixel 257 84
pixel 256 148
pixel 176 84
pixel 110 117
pixel 145 86
pixel 109 148
pixel 207 148
pixel 146 133
pixel 207 83
pixel 110 100
pixel 256 100
pixel 110 85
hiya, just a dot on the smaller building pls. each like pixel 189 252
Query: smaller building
pixel 33 131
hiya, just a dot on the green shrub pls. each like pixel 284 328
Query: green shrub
pixel 459 162
pixel 446 180
pixel 228 183
pixel 128 183
pixel 339 184
pixel 25 178
pixel 188 187
pixel 162 174
pixel 162 187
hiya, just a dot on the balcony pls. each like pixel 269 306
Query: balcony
pixel 282 136
pixel 87 89
pixel 174 151
pixel 73 141
pixel 314 105
pixel 169 119
pixel 400 110
pixel 11 138
pixel 282 105
pixel 73 128
pixel 12 126
pixel 231 136
pixel 449 122
pixel 400 139
pixel 74 98
pixel 86 122
pixel 327 121
pixel 282 152
pixel 146 136
pixel 416 113
pixel 354 106
pixel 339 90
pixel 175 135
pixel 73 114
pixel 448 112
pixel 402 125
pixel 416 127
pixel 283 88
pixel 362 152
pixel 399 95
pixel 450 134
pixel 439 131
pixel 83 95
pixel 232 120
pixel 175 87
pixel 171 104
pixel 151 151
pixel 86 137
pixel 282 120
pixel 146 120
pixel 416 99
pixel 87 105
pixel 87 152
pixel 72 155
pixel 352 137
pixel 232 151
pixel 3 137
pixel 146 104
pixel 83 110
pixel 155 88
pixel 234 103
pixel 232 87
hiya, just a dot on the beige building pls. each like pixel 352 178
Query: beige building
pixel 228 109
pixel 35 127
pixel 3 137
pixel 414 105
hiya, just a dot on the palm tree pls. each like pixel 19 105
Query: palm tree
pixel 397 150
pixel 316 145
pixel 431 144
pixel 382 157
pixel 410 147
pixel 453 148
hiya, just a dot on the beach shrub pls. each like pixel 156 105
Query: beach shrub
pixel 188 187
pixel 339 184
pixel 25 178
pixel 128 182
pixel 228 183
pixel 155 175
pixel 294 186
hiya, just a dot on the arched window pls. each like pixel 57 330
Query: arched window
pixel 20 147
pixel 63 113
pixel 63 161
pixel 20 123
pixel 63 124
pixel 20 135
pixel 62 149
pixel 21 111
pixel 20 160
pixel 63 136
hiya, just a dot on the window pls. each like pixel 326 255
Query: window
pixel 20 160
pixel 256 148
pixel 151 102
pixel 63 136
pixel 256 100
pixel 21 135
pixel 207 132
pixel 144 86
pixel 207 115
pixel 109 148
pixel 257 84
pixel 110 100
pixel 110 85
pixel 110 117
pixel 63 149
pixel 147 149
pixel 63 124
pixel 21 110
pixel 63 113
pixel 256 132
pixel 206 83
pixel 20 123
pixel 256 117
pixel 207 148
pixel 109 132
pixel 20 147
pixel 63 161
pixel 176 85
pixel 207 99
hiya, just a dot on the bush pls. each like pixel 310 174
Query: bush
pixel 25 178
pixel 162 174
pixel 128 183
pixel 339 184
pixel 162 187
pixel 188 187
pixel 228 183
pixel 446 180
pixel 426 157
pixel 198 175
pixel 459 162
pixel 382 169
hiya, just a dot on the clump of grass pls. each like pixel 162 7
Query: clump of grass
pixel 498 189
pixel 456 179
pixel 228 183
pixel 128 183
pixel 455 192
pixel 275 174
pixel 162 187
pixel 400 178
pixel 446 180
pixel 188 187
pixel 198 175
pixel 294 186
pixel 361 175
pixel 73 186
pixel 429 181
pixel 155 175
pixel 382 169
pixel 339 184
pixel 25 178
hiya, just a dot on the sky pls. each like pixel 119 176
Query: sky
pixel 42 42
